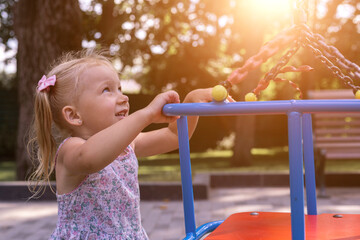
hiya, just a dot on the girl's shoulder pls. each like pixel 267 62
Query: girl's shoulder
pixel 62 143
pixel 66 145
pixel 69 142
pixel 67 179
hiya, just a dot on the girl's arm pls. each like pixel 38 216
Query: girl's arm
pixel 165 139
pixel 80 156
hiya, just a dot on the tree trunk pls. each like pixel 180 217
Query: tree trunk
pixel 245 126
pixel 253 32
pixel 44 30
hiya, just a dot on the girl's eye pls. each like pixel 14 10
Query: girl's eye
pixel 119 89
pixel 106 90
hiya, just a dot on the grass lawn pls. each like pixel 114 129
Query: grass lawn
pixel 166 167
pixel 7 171
pixel 171 171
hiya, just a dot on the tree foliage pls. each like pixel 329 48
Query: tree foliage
pixel 174 41
pixel 184 45
pixel 188 44
pixel 6 22
pixel 180 45
pixel 340 27
pixel 6 35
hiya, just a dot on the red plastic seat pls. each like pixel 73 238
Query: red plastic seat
pixel 271 226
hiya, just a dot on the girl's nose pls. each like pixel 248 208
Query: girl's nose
pixel 122 98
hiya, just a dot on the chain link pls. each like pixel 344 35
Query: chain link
pixel 282 40
pixel 330 56
pixel 272 74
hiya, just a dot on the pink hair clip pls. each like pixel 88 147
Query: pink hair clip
pixel 45 83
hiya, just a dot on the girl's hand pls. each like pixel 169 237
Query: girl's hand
pixel 165 139
pixel 156 106
pixel 199 95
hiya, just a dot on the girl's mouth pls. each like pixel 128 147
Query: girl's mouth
pixel 121 113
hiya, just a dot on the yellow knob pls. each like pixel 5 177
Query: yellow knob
pixel 219 93
pixel 357 94
pixel 250 97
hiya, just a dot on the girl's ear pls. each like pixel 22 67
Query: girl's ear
pixel 71 116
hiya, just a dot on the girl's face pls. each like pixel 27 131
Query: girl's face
pixel 101 102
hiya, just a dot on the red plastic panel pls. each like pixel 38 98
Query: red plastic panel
pixel 271 226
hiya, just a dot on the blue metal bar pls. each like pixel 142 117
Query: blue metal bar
pixel 262 107
pixel 186 180
pixel 296 176
pixel 204 229
pixel 309 164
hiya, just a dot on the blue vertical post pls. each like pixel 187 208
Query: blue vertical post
pixel 186 180
pixel 296 176
pixel 309 164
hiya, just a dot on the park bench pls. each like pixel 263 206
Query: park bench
pixel 336 135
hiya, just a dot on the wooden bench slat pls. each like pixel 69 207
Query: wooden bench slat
pixel 336 123
pixel 342 155
pixel 336 115
pixel 342 150
pixel 337 139
pixel 337 131
pixel 342 145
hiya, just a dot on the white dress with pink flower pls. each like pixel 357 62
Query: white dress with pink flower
pixel 106 205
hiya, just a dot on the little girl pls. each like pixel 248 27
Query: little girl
pixel 95 165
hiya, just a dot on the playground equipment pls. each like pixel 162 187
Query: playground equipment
pixel 266 225
pixel 294 225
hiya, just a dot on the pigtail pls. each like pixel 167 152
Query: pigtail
pixel 44 144
pixel 53 93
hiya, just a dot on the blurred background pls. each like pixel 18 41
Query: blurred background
pixel 159 45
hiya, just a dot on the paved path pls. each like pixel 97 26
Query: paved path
pixel 164 220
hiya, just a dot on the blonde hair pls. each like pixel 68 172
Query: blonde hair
pixel 48 120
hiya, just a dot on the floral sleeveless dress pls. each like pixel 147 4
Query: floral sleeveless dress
pixel 106 205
